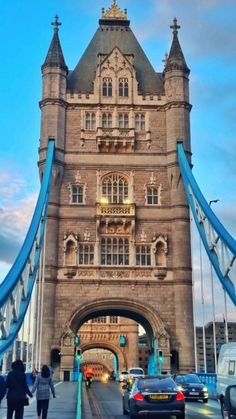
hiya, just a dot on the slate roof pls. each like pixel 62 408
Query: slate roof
pixel 176 56
pixel 108 36
pixel 55 55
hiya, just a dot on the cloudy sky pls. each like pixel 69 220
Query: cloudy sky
pixel 207 36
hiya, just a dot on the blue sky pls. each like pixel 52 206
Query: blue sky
pixel 207 36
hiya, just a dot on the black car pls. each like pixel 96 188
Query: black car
pixel 192 387
pixel 153 396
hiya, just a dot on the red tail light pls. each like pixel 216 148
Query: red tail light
pixel 179 396
pixel 138 397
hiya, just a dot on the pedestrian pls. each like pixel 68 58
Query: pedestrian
pixel 17 389
pixel 2 388
pixel 42 386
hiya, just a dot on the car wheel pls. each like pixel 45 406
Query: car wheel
pixel 205 400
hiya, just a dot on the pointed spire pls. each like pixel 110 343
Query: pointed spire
pixel 55 55
pixel 176 58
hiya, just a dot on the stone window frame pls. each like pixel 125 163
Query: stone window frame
pixel 123 120
pixel 87 256
pixel 78 186
pixel 140 123
pixel 143 255
pixel 106 120
pixel 157 195
pixel 90 121
pixel 124 87
pixel 108 190
pixel 107 87
pixel 110 254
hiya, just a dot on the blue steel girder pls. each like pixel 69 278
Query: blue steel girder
pixel 219 244
pixel 16 289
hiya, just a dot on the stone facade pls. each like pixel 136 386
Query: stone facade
pixel 118 230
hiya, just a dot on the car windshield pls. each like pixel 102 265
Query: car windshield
pixel 156 384
pixel 186 379
pixel 136 371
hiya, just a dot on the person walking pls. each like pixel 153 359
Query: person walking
pixel 43 384
pixel 2 388
pixel 17 389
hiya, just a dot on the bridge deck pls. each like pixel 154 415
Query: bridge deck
pixel 62 407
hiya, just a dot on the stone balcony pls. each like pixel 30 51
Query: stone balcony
pixel 115 218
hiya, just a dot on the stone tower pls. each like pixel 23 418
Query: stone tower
pixel 118 230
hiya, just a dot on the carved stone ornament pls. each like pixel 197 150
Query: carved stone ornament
pixel 153 179
pixel 78 178
pixel 143 237
pixel 86 235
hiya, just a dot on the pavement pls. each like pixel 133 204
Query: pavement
pixel 64 406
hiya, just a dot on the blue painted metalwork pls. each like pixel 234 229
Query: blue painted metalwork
pixel 152 361
pixel 209 379
pixel 17 287
pixel 115 366
pixel 219 244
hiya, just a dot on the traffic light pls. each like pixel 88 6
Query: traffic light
pixel 78 354
pixel 76 340
pixel 160 356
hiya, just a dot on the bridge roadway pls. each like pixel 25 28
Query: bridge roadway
pixel 106 402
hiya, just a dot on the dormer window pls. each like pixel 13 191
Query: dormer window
pixel 90 121
pixel 123 120
pixel 123 87
pixel 106 120
pixel 107 86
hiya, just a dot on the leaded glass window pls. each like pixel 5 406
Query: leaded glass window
pixel 106 120
pixel 139 122
pixel 152 196
pixel 107 86
pixel 90 121
pixel 123 87
pixel 123 120
pixel 114 251
pixel 115 189
pixel 77 194
pixel 143 255
pixel 86 254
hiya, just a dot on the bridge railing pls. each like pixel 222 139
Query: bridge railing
pixel 219 244
pixel 17 287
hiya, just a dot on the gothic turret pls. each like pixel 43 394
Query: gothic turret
pixel 55 56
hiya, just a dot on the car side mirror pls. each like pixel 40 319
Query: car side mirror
pixel 230 401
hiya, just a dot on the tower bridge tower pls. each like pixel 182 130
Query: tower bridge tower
pixel 118 229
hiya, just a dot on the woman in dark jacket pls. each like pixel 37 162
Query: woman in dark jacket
pixel 17 389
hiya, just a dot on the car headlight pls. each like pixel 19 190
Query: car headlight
pixel 205 389
pixel 180 388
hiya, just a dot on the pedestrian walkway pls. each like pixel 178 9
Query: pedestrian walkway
pixel 62 407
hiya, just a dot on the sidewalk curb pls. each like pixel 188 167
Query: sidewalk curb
pixel 86 410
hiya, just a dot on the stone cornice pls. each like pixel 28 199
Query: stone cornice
pixel 178 104
pixel 53 101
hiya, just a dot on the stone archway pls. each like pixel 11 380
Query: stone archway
pixel 121 356
pixel 135 310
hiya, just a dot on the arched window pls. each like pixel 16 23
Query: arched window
pixel 123 87
pixel 114 251
pixel 90 121
pixel 106 120
pixel 107 86
pixel 139 122
pixel 123 120
pixel 115 189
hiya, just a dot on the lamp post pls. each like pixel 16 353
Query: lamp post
pixel 213 201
